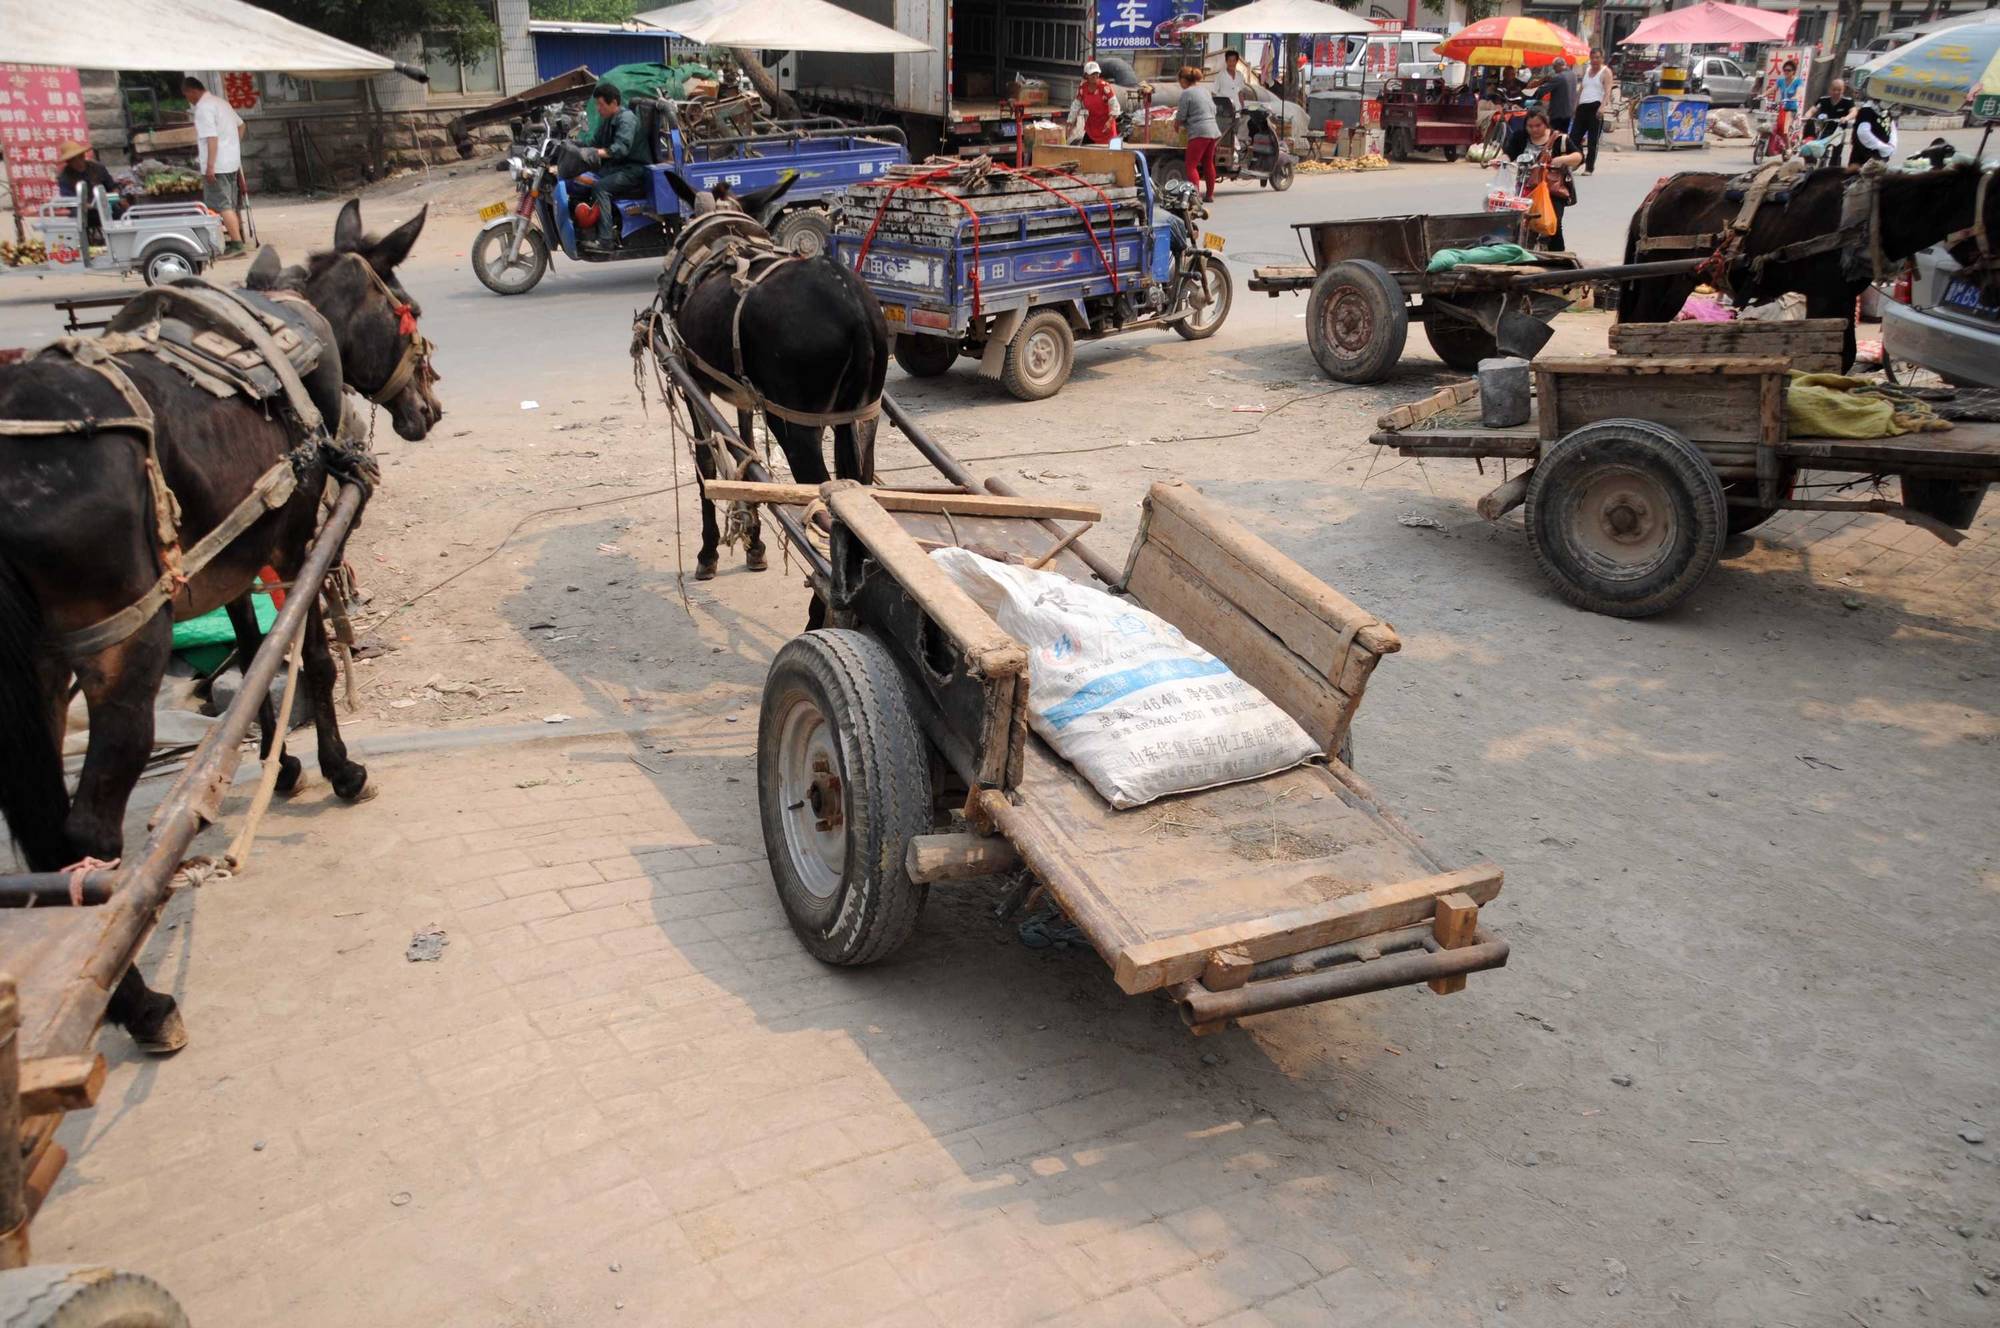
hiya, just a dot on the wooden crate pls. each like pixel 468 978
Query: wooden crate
pixel 1725 405
pixel 1813 345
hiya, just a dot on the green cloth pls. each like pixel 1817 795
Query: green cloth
pixel 206 641
pixel 646 80
pixel 1444 260
pixel 1825 405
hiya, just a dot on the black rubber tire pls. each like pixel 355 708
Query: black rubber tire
pixel 1450 151
pixel 1648 455
pixel 806 231
pixel 1743 520
pixel 1166 169
pixel 925 357
pixel 54 1296
pixel 1459 342
pixel 1398 144
pixel 1023 373
pixel 1221 292
pixel 537 266
pixel 848 684
pixel 1282 176
pixel 1951 501
pixel 1357 321
pixel 171 260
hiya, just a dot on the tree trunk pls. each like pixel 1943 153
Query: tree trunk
pixel 781 103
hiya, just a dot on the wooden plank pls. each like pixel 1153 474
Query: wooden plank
pixel 958 857
pixel 1506 497
pixel 1381 908
pixel 1521 443
pixel 61 1083
pixel 1812 345
pixel 1641 366
pixel 1121 164
pixel 1453 924
pixel 1169 587
pixel 1259 560
pixel 1701 406
pixel 1227 970
pixel 1446 397
pixel 896 500
pixel 992 653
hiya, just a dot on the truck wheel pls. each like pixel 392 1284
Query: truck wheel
pixel 925 357
pixel 1399 144
pixel 806 231
pixel 1218 289
pixel 84 1297
pixel 1450 151
pixel 170 260
pixel 843 779
pixel 1460 342
pixel 1166 170
pixel 1357 321
pixel 1626 517
pixel 1281 176
pixel 518 277
pixel 1039 357
pixel 1953 502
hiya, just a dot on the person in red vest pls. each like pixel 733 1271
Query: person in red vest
pixel 1095 107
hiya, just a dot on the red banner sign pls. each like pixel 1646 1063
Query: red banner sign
pixel 40 106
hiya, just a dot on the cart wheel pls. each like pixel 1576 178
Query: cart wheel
pixel 1399 144
pixel 1460 342
pixel 1953 502
pixel 1625 517
pixel 82 1297
pixel 1218 289
pixel 806 231
pixel 1281 176
pixel 503 277
pixel 170 260
pixel 925 357
pixel 1357 321
pixel 843 780
pixel 1039 357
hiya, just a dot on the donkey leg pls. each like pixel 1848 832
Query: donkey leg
pixel 348 777
pixel 801 443
pixel 755 558
pixel 249 640
pixel 711 536
pixel 120 685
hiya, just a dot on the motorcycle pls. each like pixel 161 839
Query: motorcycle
pixel 511 252
pixel 1263 156
pixel 1196 295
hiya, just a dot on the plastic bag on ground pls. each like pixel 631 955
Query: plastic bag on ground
pixel 1122 695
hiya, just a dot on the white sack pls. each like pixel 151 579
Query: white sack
pixel 1121 695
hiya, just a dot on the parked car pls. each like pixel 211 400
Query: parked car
pixel 1416 59
pixel 1944 324
pixel 1726 82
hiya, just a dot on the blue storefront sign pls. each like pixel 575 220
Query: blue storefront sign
pixel 1137 25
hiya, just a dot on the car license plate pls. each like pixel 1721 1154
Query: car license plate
pixel 492 210
pixel 1964 293
pixel 893 312
pixel 1009 129
pixel 1210 240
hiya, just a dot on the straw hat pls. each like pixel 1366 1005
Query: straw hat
pixel 71 149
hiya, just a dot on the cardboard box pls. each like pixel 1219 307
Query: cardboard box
pixel 1029 92
pixel 979 84
pixel 1044 131
pixel 1164 131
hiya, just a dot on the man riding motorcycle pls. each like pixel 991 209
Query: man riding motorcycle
pixel 620 157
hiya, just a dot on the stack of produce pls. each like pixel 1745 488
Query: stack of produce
pixel 960 199
pixel 24 254
pixel 1373 161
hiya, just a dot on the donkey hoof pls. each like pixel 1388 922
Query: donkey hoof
pixel 704 571
pixel 158 1028
pixel 352 783
pixel 289 771
pixel 754 559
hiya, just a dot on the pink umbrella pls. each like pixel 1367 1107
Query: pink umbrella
pixel 1711 23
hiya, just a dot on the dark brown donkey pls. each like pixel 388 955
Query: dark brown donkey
pixel 79 542
pixel 1819 241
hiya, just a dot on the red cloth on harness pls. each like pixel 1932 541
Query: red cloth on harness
pixel 1098 124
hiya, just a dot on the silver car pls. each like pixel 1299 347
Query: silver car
pixel 1726 82
pixel 1949 326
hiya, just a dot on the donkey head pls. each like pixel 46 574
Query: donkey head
pixel 759 204
pixel 383 355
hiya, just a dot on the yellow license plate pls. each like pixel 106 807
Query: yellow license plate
pixel 1210 240
pixel 492 210
pixel 893 312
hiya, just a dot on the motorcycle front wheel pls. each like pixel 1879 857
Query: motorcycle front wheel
pixel 1281 177
pixel 1203 323
pixel 505 276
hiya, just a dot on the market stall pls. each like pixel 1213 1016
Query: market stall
pixel 1676 116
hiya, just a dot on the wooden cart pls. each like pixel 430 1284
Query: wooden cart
pixel 1637 468
pixel 1368 279
pixel 894 753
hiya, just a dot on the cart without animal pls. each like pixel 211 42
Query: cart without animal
pixel 894 753
pixel 1638 467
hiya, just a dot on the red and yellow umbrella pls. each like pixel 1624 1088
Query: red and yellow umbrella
pixel 1513 43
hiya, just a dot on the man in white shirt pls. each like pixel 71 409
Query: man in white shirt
pixel 1233 93
pixel 1593 90
pixel 218 136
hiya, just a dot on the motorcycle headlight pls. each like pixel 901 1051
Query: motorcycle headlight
pixel 514 167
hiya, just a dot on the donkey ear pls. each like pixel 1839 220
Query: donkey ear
pixel 347 227
pixel 387 253
pixel 682 190
pixel 763 203
pixel 263 274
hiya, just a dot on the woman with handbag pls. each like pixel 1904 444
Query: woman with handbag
pixel 1549 162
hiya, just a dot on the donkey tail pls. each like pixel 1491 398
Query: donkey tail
pixel 32 797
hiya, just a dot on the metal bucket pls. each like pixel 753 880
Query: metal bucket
pixel 1503 392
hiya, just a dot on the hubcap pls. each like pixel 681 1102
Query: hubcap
pixel 172 267
pixel 813 806
pixel 1625 521
pixel 1350 324
pixel 1042 355
pixel 1209 310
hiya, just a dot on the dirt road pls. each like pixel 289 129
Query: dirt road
pixel 1739 1071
